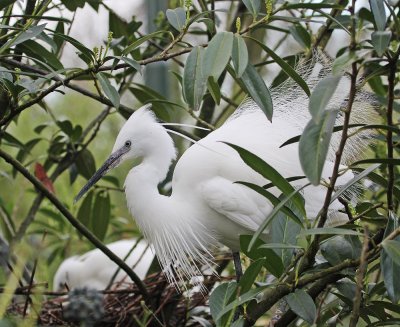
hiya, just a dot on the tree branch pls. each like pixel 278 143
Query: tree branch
pixel 74 222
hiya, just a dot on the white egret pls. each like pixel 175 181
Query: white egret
pixel 95 270
pixel 206 206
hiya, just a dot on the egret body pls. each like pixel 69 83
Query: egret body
pixel 206 206
pixel 95 270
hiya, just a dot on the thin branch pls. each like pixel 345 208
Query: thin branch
pixel 74 222
pixel 360 281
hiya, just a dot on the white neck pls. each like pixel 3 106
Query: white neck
pixel 178 238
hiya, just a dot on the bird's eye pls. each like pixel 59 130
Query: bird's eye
pixel 128 144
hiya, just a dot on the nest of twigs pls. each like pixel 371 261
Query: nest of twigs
pixel 122 305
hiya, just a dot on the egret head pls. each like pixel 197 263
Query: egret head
pixel 141 137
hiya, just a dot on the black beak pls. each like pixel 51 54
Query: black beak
pixel 112 162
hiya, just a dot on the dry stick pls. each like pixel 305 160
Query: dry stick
pixel 360 281
pixel 74 222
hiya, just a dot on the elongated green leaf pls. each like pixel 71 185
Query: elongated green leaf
pixel 85 211
pixel 217 54
pixel 284 231
pixel 279 246
pixel 378 10
pixel 194 81
pixel 101 214
pixel 253 6
pixel 274 201
pixel 380 40
pixel 289 70
pixel 246 297
pixel 38 51
pixel 320 97
pixel 353 181
pixel 87 55
pixel 301 35
pixel 341 63
pixel 133 63
pixel 273 213
pixel 5 3
pixel 329 231
pixel 214 89
pixel 177 18
pixel 392 248
pixel 383 161
pixel 85 164
pixel 257 89
pixel 250 275
pixel 140 41
pixel 314 145
pixel 271 174
pixel 109 90
pixel 29 34
pixel 303 305
pixel 240 55
pixel 390 269
pixel 219 299
pixel 308 5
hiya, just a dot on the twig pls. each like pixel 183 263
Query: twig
pixel 360 281
pixel 80 227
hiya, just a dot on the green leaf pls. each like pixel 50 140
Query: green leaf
pixel 101 214
pixel 353 181
pixel 339 248
pixel 390 269
pixel 5 3
pixel 273 213
pixel 118 26
pixel 253 6
pixel 133 63
pixel 250 275
pixel 274 201
pixel 38 51
pixel 240 55
pixel 217 54
pixel 177 18
pixel 328 231
pixel 380 40
pixel 246 297
pixel 303 305
pixel 140 41
pixel 271 174
pixel 392 248
pixel 383 161
pixel 85 211
pixel 321 96
pixel 289 70
pixel 308 5
pixel 109 90
pixel 314 145
pixel 28 34
pixel 273 262
pixel 214 89
pixel 341 63
pixel 194 82
pixel 85 164
pixel 378 10
pixel 279 246
pixel 86 54
pixel 256 88
pixel 301 35
pixel 219 298
pixel 284 231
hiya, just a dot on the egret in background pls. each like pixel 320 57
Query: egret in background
pixel 95 270
pixel 206 206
